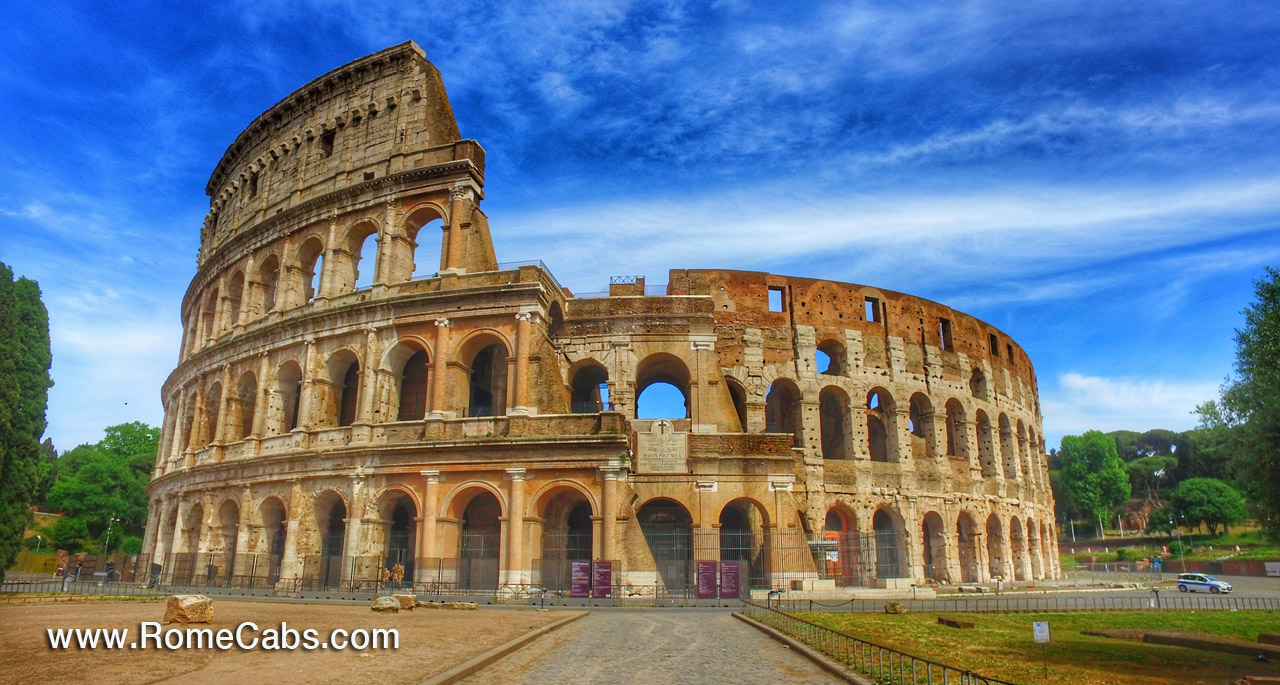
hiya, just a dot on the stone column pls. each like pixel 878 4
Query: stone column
pixel 310 365
pixel 244 529
pixel 289 556
pixel 353 541
pixel 458 198
pixel 388 234
pixel 261 400
pixel 439 372
pixel 427 535
pixel 524 324
pixel 155 514
pixel 609 511
pixel 515 572
pixel 159 548
pixel 219 431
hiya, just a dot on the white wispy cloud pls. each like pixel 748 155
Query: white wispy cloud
pixel 1078 403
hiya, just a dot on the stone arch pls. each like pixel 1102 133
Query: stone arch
pixel 235 298
pixel 212 405
pixel 738 394
pixel 837 357
pixel 192 526
pixel 310 260
pixel 840 535
pixel 1008 449
pixel 425 257
pixel 331 515
pixel 484 357
pixel 978 384
pixel 662 368
pixel 244 404
pixel 934 546
pixel 969 540
pixel 269 282
pixel 920 417
pixel 405 369
pixel 228 534
pixel 565 511
pixel 833 420
pixel 288 386
pixel 399 512
pixel 1018 547
pixel 342 396
pixel 957 433
pixel 744 538
pixel 555 320
pixel 1033 545
pixel 479 511
pixel 782 410
pixel 362 254
pixel 588 387
pixel 208 317
pixel 273 514
pixel 1024 453
pixel 882 443
pixel 986 445
pixel 996 560
pixel 668 530
pixel 892 558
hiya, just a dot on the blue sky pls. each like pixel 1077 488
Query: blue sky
pixel 1098 179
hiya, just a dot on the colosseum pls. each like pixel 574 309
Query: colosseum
pixel 364 391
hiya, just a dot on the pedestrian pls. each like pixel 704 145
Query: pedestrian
pixel 397 575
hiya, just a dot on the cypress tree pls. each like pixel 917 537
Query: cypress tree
pixel 24 394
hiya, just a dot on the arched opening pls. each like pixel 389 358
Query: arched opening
pixel 289 392
pixel 957 436
pixel 189 437
pixel 331 522
pixel 344 389
pixel 920 418
pixel 1024 454
pixel 413 387
pixel 738 395
pixel 311 261
pixel 1008 449
pixel 831 358
pixel 479 541
pixel 880 426
pixel 555 320
pixel 782 410
pixel 269 280
pixel 1035 455
pixel 246 399
pixel 235 297
pixel 833 419
pixel 274 528
pixel 488 382
pixel 207 314
pixel 228 532
pixel 662 388
pixel 743 539
pixel 978 384
pixel 425 229
pixel 187 561
pixel 566 536
pixel 890 539
pixel 986 446
pixel 668 530
pixel 995 548
pixel 399 515
pixel 841 555
pixel 362 245
pixel 589 389
pixel 1018 542
pixel 212 404
pixel 969 540
pixel 935 548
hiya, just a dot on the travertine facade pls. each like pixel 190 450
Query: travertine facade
pixel 333 413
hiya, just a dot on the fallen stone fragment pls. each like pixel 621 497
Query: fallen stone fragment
pixel 406 601
pixel 188 609
pixel 461 606
pixel 895 608
pixel 386 604
pixel 954 622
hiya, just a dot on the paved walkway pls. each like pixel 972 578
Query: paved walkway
pixel 655 646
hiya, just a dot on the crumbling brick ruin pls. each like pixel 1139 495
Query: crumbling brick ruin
pixel 340 407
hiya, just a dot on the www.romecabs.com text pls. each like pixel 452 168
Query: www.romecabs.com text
pixel 151 635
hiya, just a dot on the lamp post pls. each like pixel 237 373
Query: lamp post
pixel 111 522
pixel 39 541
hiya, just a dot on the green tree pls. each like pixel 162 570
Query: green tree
pixel 1093 474
pixel 69 533
pixel 1148 473
pixel 102 488
pixel 1209 501
pixel 24 393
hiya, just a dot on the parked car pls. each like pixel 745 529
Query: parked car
pixel 1195 582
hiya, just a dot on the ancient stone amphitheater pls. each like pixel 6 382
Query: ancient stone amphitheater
pixel 363 389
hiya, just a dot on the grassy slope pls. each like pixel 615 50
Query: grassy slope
pixel 1001 646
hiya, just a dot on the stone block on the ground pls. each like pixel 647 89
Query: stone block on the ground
pixel 406 601
pixel 895 608
pixel 954 622
pixel 461 606
pixel 386 605
pixel 188 609
pixel 426 605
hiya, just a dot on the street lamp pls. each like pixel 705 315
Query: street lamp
pixel 39 541
pixel 106 548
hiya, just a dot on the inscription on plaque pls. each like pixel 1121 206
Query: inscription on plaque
pixel 662 449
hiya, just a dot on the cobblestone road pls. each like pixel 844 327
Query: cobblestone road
pixel 654 646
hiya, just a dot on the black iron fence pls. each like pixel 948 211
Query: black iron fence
pixel 1165 600
pixel 886 665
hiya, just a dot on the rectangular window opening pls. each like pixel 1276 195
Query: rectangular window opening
pixel 253 185
pixel 994 342
pixel 326 142
pixel 872 306
pixel 777 300
pixel 944 326
pixel 1008 348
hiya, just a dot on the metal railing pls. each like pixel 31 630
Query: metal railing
pixel 1165 600
pixel 886 665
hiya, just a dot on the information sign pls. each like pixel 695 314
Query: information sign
pixel 1041 631
pixel 579 579
pixel 729 574
pixel 706 580
pixel 601 579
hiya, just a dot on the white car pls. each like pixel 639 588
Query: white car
pixel 1194 582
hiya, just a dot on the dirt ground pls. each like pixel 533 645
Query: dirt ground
pixel 431 641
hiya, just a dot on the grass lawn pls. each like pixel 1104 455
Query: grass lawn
pixel 1001 646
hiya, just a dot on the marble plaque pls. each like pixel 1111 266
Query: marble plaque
pixel 662 449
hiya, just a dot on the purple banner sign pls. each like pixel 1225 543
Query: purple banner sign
pixel 729 586
pixel 601 579
pixel 706 580
pixel 579 579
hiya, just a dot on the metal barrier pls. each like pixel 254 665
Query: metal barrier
pixel 886 665
pixel 1166 600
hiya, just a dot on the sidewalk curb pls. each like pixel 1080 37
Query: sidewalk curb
pixel 827 664
pixel 470 667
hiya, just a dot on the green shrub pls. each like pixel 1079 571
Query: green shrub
pixel 1178 549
